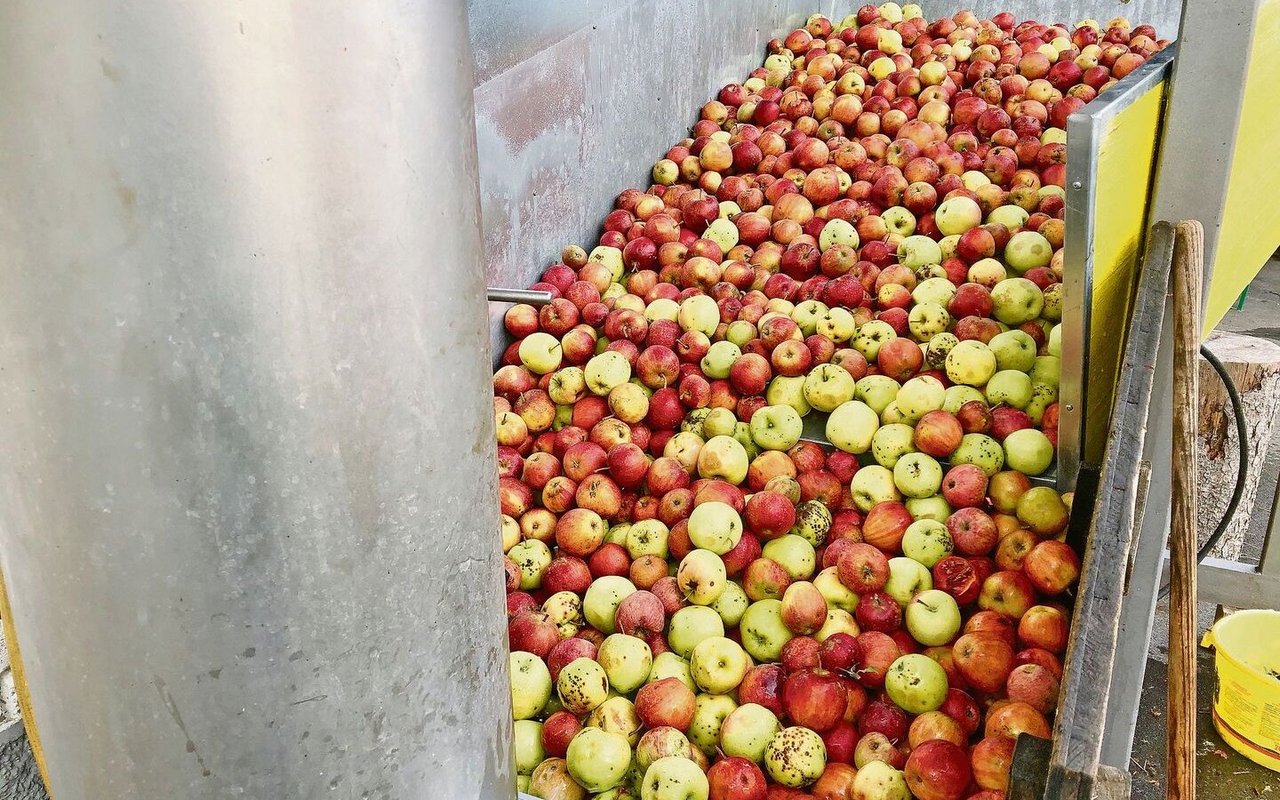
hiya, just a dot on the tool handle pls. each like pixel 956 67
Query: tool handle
pixel 1188 265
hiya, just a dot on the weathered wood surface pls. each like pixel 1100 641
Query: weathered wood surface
pixel 1254 367
pixel 1188 264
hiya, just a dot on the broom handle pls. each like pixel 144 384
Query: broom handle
pixel 1188 263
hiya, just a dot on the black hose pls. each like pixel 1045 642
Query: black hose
pixel 1242 440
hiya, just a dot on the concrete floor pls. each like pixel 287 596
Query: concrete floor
pixel 1222 774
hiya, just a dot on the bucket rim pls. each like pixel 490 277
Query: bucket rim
pixel 1214 640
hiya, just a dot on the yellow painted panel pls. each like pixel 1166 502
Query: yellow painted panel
pixel 1126 166
pixel 20 682
pixel 1250 230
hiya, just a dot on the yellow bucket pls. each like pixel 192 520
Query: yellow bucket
pixel 1246 705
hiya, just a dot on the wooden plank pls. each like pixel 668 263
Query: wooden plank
pixel 1188 266
pixel 1089 661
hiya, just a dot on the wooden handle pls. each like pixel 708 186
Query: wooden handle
pixel 1188 265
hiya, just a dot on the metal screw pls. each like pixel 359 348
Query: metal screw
pixel 1076 185
pixel 1071 407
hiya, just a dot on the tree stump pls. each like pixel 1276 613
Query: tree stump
pixel 1254 366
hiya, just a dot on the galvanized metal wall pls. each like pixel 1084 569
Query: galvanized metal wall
pixel 248 513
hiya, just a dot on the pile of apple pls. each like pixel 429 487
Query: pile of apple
pixel 702 602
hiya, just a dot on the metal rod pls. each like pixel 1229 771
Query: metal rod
pixel 533 298
pixel 249 507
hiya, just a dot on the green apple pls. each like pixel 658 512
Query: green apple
pixel 662 308
pixel 1012 217
pixel 532 557
pixel 530 684
pixel 827 386
pixel 795 757
pixel 935 508
pixel 1028 451
pixel 959 394
pixel 540 352
pixel 786 391
pixel 718 665
pixel 777 427
pixel 906 577
pixel 987 271
pixel 899 220
pixel 938 291
pixel 617 715
pixel 731 604
pixel 852 426
pixel 1014 350
pixel 933 618
pixel 917 475
pixel 606 371
pixel 807 314
pixel 1054 345
pixel 701 576
pixel 1027 250
pixel 877 391
pixel 879 781
pixel 762 630
pixel 719 359
pixel 919 396
pixel 872 484
pixel 648 537
pixel 892 442
pixel 719 422
pixel 813 520
pixel 715 526
pixel 1047 370
pixel 699 313
pixel 674 778
pixel 1016 300
pixel 742 433
pixel 582 685
pixel 974 180
pixel 597 759
pixel 671 665
pixel 838 621
pixel 935 352
pixel 957 215
pixel 795 555
pixel 928 320
pixel 686 445
pixel 948 245
pixel 722 232
pixel 565 610
pixel 1009 387
pixel 709 713
pixel 740 332
pixel 837 595
pixel 981 450
pixel 626 661
pixel 567 386
pixel 971 362
pixel 600 603
pixel 892 415
pixel 523 782
pixel 837 324
pixel 617 534
pixel 1042 397
pixel 837 231
pixel 746 732
pixel 611 257
pixel 528 746
pixel 690 625
pixel 552 779
pixel 917 251
pixel 927 541
pixel 916 683
pixel 871 336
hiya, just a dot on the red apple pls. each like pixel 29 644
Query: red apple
pixel 665 702
pixel 938 770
